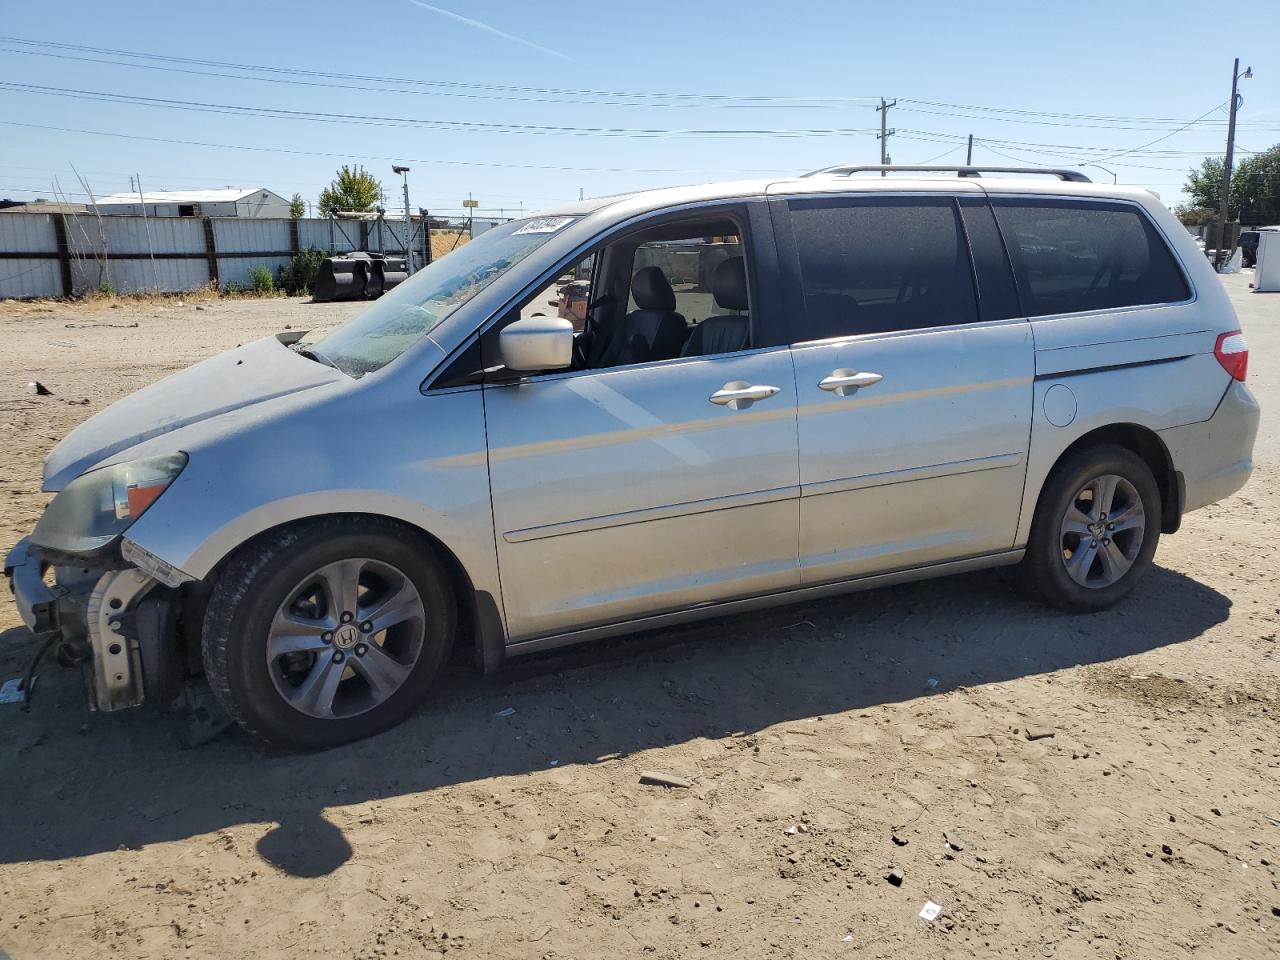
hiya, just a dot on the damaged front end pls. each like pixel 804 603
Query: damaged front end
pixel 96 598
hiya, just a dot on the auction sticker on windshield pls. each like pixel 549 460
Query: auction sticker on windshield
pixel 543 225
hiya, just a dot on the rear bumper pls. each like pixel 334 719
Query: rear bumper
pixel 36 602
pixel 1215 457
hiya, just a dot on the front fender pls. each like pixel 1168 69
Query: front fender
pixel 418 459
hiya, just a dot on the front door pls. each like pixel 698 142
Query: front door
pixel 642 487
pixel 914 400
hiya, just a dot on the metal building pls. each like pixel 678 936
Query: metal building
pixel 254 204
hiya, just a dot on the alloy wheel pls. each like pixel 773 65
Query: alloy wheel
pixel 1102 531
pixel 345 638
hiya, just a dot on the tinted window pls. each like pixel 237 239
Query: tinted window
pixel 997 295
pixel 1072 256
pixel 869 265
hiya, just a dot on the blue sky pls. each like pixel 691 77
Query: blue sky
pixel 1096 82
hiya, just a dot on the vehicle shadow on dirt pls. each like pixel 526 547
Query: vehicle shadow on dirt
pixel 78 784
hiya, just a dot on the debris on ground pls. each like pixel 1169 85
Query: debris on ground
pixel 900 841
pixel 929 912
pixel 11 691
pixel 506 712
pixel 895 876
pixel 952 842
pixel 38 389
pixel 1038 733
pixel 654 779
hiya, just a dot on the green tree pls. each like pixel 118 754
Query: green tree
pixel 1193 216
pixel 353 189
pixel 297 207
pixel 1255 189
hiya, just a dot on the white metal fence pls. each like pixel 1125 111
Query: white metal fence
pixel 57 255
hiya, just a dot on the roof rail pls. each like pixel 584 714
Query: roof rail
pixel 845 169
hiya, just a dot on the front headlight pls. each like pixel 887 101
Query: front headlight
pixel 98 506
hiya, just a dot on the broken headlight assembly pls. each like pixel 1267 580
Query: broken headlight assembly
pixel 93 510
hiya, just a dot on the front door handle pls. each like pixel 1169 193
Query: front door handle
pixel 845 382
pixel 738 394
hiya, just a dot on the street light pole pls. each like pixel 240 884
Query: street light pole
pixel 1226 166
pixel 1103 169
pixel 408 220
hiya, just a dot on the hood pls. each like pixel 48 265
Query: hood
pixel 254 373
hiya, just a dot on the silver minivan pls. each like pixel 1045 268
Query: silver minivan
pixel 779 390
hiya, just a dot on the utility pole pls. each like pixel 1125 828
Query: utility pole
pixel 968 157
pixel 1226 166
pixel 885 132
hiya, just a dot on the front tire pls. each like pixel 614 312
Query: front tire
pixel 1095 530
pixel 329 632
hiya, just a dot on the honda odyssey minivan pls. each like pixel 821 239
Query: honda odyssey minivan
pixel 781 390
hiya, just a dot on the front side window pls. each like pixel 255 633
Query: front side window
pixel 689 265
pixel 877 264
pixel 1072 256
pixel 678 288
pixel 394 323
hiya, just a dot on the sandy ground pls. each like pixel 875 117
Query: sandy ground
pixel 1148 825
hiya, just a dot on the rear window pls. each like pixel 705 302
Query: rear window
pixel 871 265
pixel 1071 256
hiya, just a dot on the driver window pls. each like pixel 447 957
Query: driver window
pixel 686 295
pixel 677 289
pixel 565 297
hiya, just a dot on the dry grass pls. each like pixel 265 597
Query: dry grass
pixel 140 299
pixel 443 242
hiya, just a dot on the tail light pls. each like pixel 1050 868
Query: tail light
pixel 1232 352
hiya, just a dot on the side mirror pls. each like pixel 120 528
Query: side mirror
pixel 537 343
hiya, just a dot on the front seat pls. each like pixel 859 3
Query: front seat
pixel 730 332
pixel 653 331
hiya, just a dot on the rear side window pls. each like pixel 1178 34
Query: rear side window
pixel 875 264
pixel 1071 256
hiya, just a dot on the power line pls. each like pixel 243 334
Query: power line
pixel 456 126
pixel 1047 113
pixel 442 84
pixel 397 158
pixel 557 99
pixel 1060 123
pixel 1165 137
pixel 540 94
pixel 945 153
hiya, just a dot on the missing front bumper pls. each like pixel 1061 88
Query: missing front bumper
pixel 120 623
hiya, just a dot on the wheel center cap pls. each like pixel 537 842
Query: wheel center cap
pixel 346 637
pixel 1097 529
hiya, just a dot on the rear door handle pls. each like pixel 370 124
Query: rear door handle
pixel 845 382
pixel 738 394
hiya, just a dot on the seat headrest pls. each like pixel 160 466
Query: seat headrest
pixel 729 284
pixel 651 290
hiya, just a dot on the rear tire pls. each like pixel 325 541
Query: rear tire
pixel 293 665
pixel 1095 530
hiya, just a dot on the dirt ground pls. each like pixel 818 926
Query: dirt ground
pixel 826 743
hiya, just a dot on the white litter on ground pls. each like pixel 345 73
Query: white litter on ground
pixel 930 911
